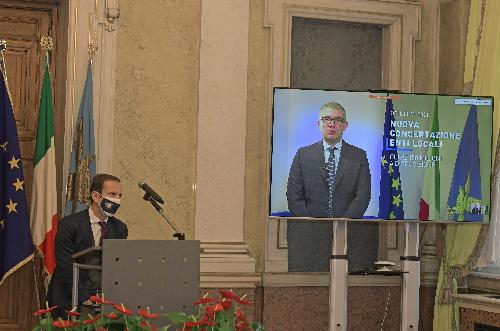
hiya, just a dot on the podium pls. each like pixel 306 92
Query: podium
pixel 88 259
pixel 163 275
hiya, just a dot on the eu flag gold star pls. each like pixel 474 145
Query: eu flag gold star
pixel 391 170
pixel 2 223
pixel 396 200
pixel 18 184
pixel 14 163
pixel 384 161
pixel 4 146
pixel 12 206
pixel 392 216
pixel 395 183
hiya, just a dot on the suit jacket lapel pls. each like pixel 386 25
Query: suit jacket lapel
pixel 319 159
pixel 111 228
pixel 88 236
pixel 344 161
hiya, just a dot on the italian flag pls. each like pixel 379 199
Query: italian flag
pixel 44 198
pixel 430 202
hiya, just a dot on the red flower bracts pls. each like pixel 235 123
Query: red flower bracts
pixel 63 324
pixel 44 311
pixel 230 295
pixel 112 316
pixel 92 320
pixel 148 314
pixel 73 313
pixel 204 300
pixel 240 314
pixel 121 308
pixel 100 300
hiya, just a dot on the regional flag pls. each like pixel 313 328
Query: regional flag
pixel 16 246
pixel 44 196
pixel 391 194
pixel 430 202
pixel 83 160
pixel 464 200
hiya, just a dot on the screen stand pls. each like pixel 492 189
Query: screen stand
pixel 338 277
pixel 410 262
pixel 410 265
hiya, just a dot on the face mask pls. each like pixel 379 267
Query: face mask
pixel 109 206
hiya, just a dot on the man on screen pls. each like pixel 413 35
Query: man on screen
pixel 330 178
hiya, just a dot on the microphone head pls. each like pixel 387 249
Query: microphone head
pixel 150 192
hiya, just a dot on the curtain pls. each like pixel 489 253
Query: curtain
pixel 463 244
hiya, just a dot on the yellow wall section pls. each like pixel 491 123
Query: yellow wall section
pixel 156 109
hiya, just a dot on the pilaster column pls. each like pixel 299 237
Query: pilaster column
pixel 221 132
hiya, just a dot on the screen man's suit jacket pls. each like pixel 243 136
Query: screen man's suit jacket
pixel 74 234
pixel 310 242
pixel 307 190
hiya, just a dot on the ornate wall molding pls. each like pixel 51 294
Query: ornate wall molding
pixel 401 21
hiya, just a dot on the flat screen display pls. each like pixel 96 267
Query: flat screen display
pixel 381 155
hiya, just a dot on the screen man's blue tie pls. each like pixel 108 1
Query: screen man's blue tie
pixel 330 179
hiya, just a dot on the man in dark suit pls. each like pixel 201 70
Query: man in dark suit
pixel 330 178
pixel 81 231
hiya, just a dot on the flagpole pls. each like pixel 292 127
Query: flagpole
pixel 3 47
pixel 46 45
pixel 3 69
pixel 83 159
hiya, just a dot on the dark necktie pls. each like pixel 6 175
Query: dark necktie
pixel 330 179
pixel 104 231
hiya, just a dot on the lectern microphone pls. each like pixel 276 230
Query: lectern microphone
pixel 154 198
pixel 151 192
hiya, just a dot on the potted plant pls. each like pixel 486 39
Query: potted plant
pixel 225 313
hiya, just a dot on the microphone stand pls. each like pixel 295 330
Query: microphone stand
pixel 178 234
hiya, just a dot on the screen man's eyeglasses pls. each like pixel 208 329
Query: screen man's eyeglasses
pixel 330 120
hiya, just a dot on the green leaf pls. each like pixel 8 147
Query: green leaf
pixel 134 319
pixel 257 326
pixel 164 328
pixel 226 328
pixel 178 318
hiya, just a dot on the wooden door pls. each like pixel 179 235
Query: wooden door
pixel 22 24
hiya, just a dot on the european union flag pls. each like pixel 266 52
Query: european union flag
pixel 391 194
pixel 83 160
pixel 464 200
pixel 16 246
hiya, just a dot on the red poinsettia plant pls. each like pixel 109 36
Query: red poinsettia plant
pixel 223 314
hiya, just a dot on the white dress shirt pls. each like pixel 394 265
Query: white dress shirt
pixel 96 228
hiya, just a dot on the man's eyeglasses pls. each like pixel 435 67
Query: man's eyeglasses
pixel 330 120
